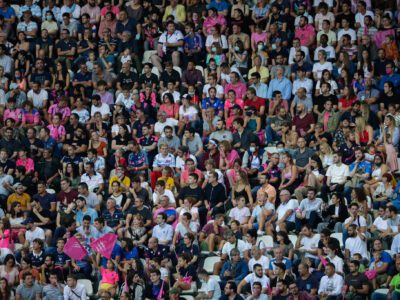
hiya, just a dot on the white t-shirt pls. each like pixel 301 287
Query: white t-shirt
pixel 263 261
pixel 168 193
pixel 38 99
pixel 338 262
pixel 104 110
pixel 213 286
pixel 381 224
pixel 360 17
pixel 241 246
pixel 159 127
pixel 190 113
pixel 251 278
pixel 283 208
pixel 222 41
pixel 318 68
pixel 359 221
pixel 357 245
pixel 171 39
pixel 338 174
pixel 219 88
pixel 239 214
pixel 350 32
pixel 30 235
pixel 310 243
pixel 330 53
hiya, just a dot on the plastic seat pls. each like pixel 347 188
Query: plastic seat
pixel 293 238
pixel 155 71
pixel 147 54
pixel 88 285
pixel 209 263
pixel 178 69
pixel 201 69
pixel 267 239
pixel 339 236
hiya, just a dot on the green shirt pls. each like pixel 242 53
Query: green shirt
pixel 395 283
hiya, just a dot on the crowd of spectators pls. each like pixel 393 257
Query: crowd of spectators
pixel 237 149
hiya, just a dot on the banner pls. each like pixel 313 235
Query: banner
pixel 105 244
pixel 74 249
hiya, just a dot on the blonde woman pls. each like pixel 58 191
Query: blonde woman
pixel 325 154
pixel 364 132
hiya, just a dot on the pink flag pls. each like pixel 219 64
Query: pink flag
pixel 161 293
pixel 74 249
pixel 105 244
pixel 323 260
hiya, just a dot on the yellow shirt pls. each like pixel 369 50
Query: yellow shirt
pixel 169 183
pixel 24 199
pixel 180 13
pixel 126 181
pixel 264 73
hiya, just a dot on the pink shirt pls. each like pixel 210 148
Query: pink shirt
pixel 304 34
pixel 114 10
pixel 56 132
pixel 15 114
pixel 239 88
pixel 107 276
pixel 259 37
pixel 210 22
pixel 27 163
pixel 65 111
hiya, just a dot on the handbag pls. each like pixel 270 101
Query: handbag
pixel 187 279
pixel 371 274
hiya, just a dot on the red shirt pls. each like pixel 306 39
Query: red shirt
pixel 347 102
pixel 257 103
pixel 303 124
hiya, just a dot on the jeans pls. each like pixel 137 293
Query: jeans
pixel 379 296
pixel 271 135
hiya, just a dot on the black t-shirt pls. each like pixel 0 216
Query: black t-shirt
pixel 144 212
pixel 196 193
pixel 386 100
pixel 350 18
pixel 7 165
pixel 321 99
pixel 307 284
pixel 152 79
pixel 357 282
pixel 45 214
pixel 128 80
pixel 174 77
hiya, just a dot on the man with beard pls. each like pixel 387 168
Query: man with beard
pixel 331 284
pixel 221 134
pixel 356 242
pixel 305 32
pixel 48 269
pixel 54 289
pixel 169 139
pixel 78 138
pixel 212 153
pixel 358 283
pixel 230 292
pixel 303 120
pixel 257 276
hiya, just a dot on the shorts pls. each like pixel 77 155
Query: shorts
pixel 105 286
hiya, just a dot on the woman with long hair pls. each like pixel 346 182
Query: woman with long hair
pixel 326 155
pixel 242 188
pixel 326 77
pixel 364 132
pixel 72 173
pixel 122 139
pixel 17 218
pixel 6 293
pixel 9 270
pixel 169 106
pixel 335 214
pixel 5 234
pixel 382 192
pixel 343 62
pixel 358 196
pixel 347 99
pixel 227 155
pixel 96 124
pixel 61 74
pixel 366 64
pixel 389 141
pixel 289 175
pixel 97 143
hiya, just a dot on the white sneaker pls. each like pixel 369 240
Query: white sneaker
pixel 260 232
